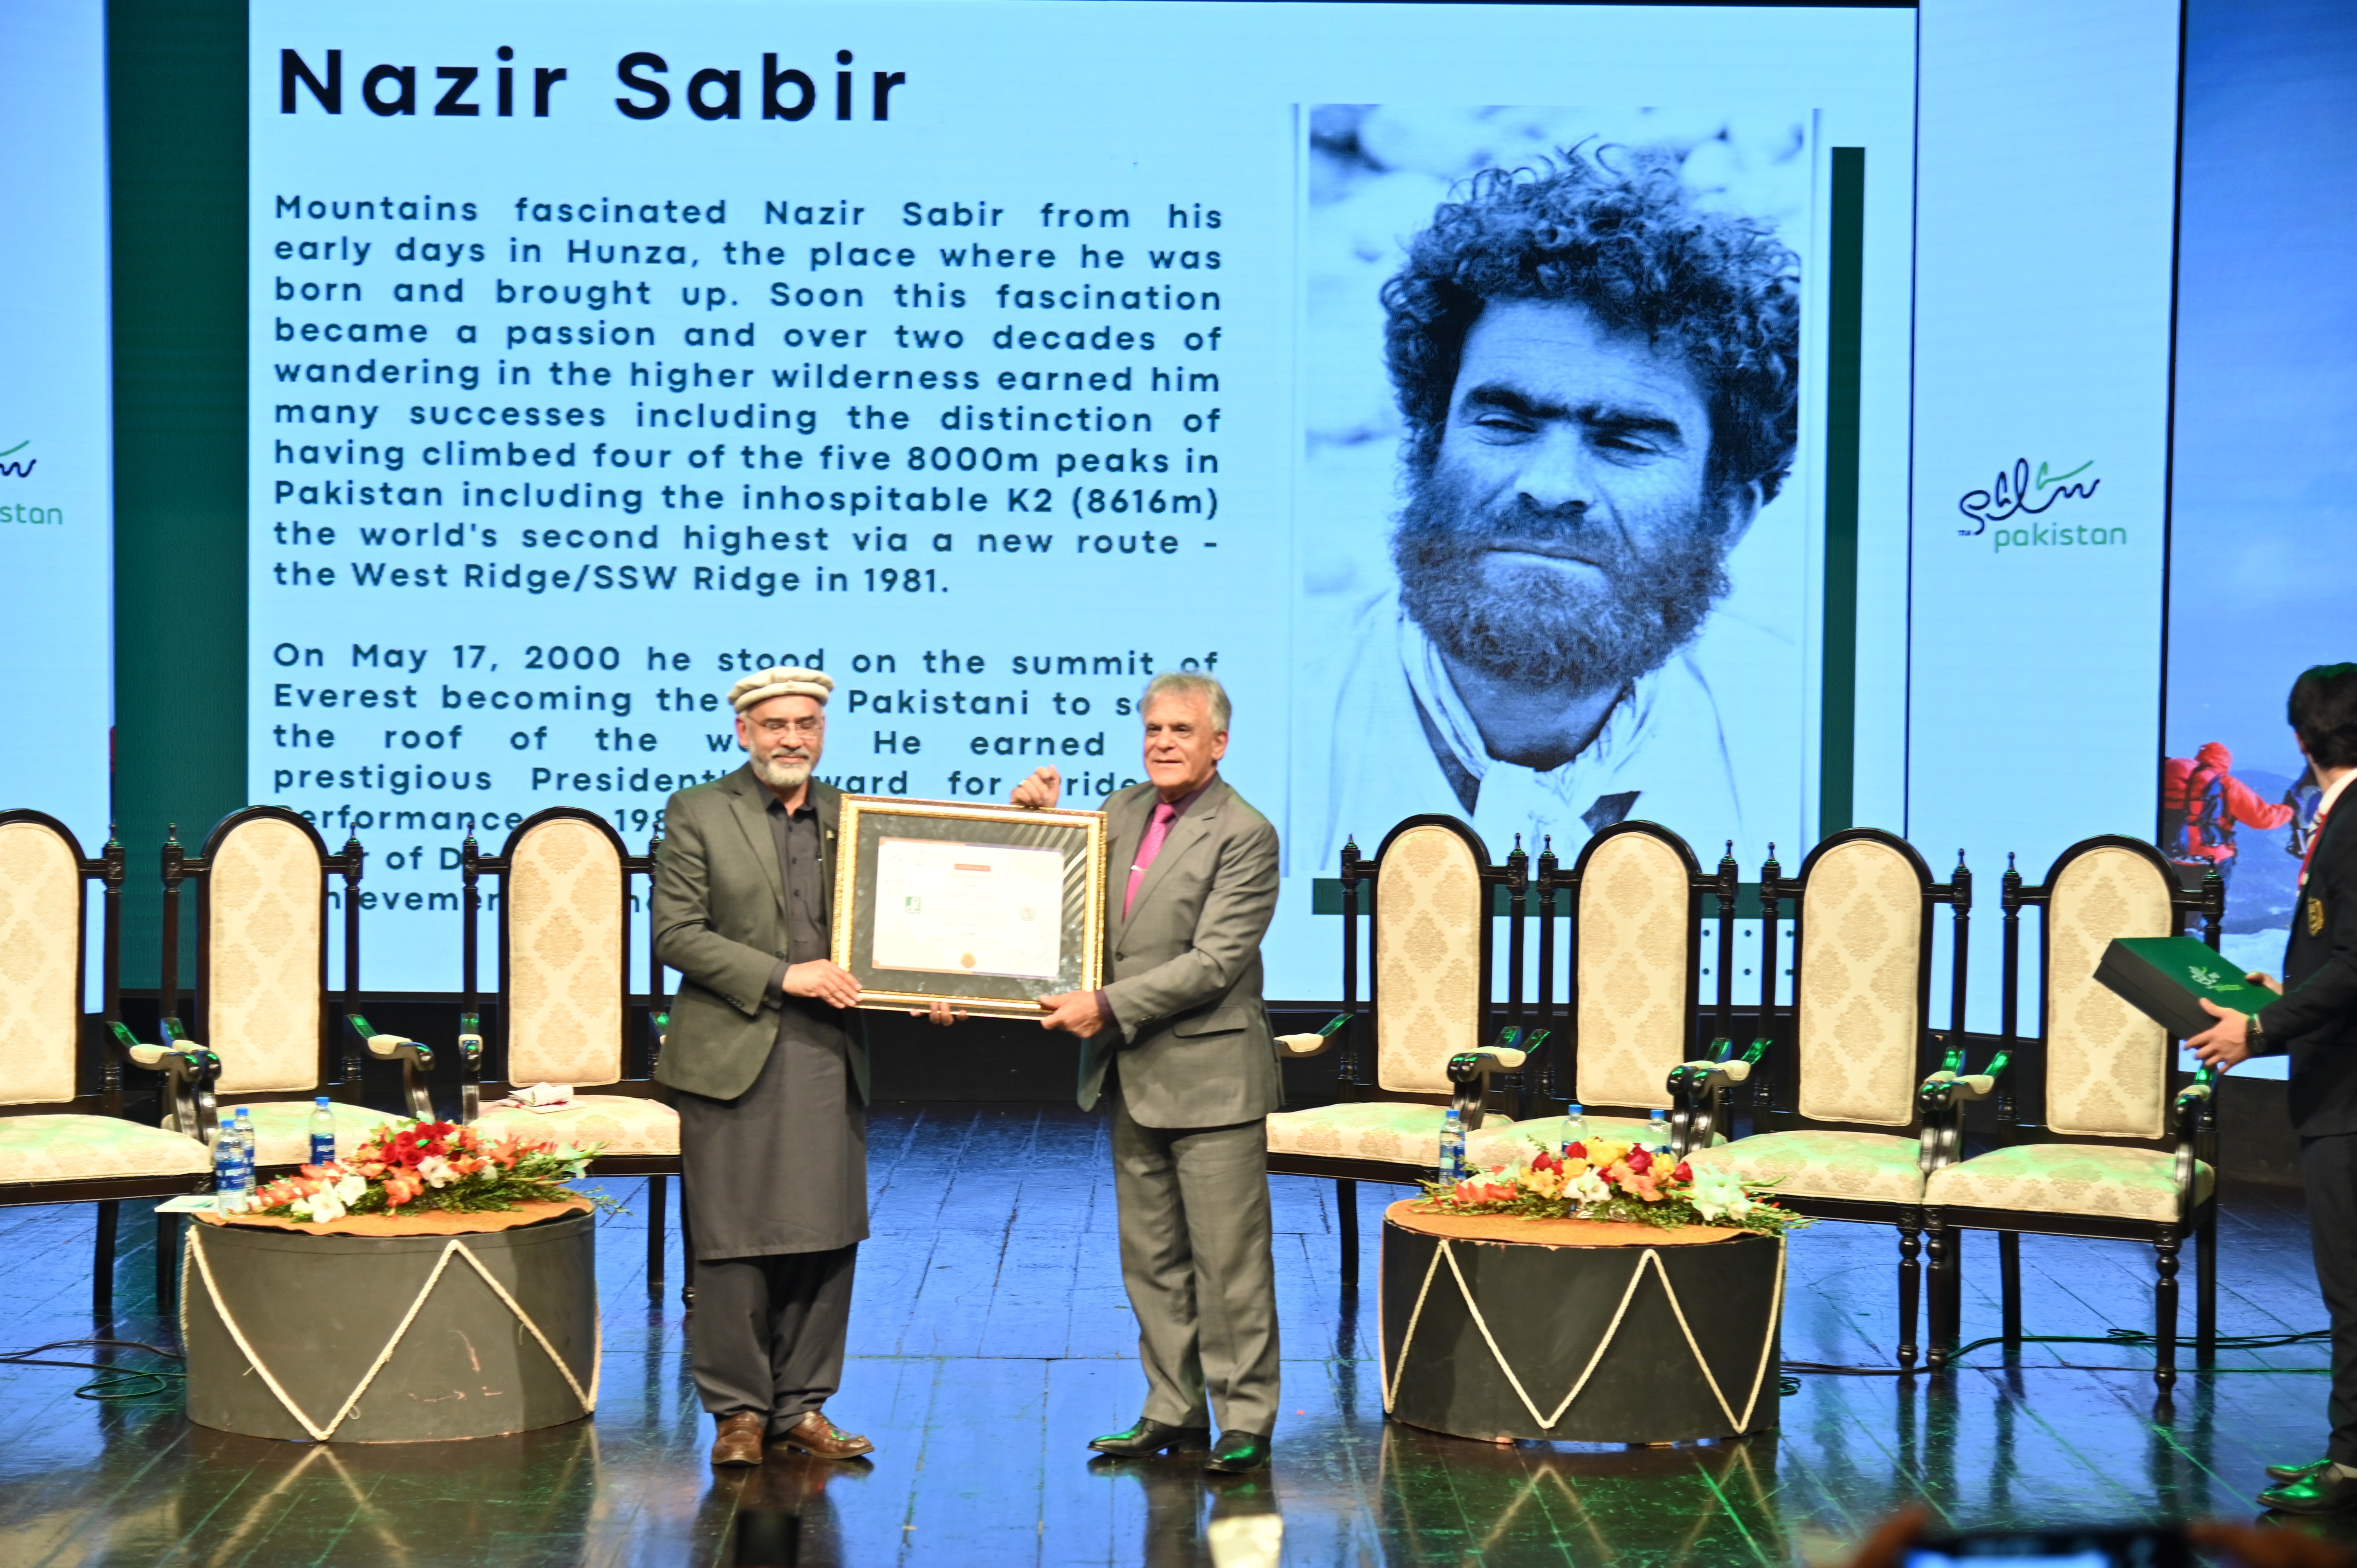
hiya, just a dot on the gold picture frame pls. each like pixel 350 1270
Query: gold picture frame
pixel 900 840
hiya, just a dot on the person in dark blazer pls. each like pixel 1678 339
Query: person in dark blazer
pixel 1177 1046
pixel 2314 1022
pixel 770 1069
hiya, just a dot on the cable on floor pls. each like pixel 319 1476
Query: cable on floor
pixel 2116 1337
pixel 114 1384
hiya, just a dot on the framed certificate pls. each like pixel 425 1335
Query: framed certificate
pixel 989 908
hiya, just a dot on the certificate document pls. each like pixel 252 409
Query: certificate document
pixel 969 908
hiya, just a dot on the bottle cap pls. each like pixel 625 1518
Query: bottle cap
pixel 242 1114
pixel 1576 1110
pixel 321 1102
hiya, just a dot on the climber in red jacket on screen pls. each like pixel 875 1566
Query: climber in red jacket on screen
pixel 2202 803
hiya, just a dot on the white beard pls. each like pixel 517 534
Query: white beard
pixel 780 775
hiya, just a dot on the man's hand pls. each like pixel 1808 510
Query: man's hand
pixel 820 980
pixel 1074 1012
pixel 2261 977
pixel 940 1013
pixel 1039 792
pixel 2224 1043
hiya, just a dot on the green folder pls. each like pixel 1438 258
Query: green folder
pixel 2165 978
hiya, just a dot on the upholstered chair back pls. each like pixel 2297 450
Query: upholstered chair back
pixel 266 956
pixel 567 969
pixel 1859 983
pixel 40 980
pixel 1635 965
pixel 2106 1063
pixel 1427 956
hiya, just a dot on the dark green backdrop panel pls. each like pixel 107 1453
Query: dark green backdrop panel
pixel 176 125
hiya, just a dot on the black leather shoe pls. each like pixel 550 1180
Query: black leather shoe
pixel 1239 1451
pixel 1150 1437
pixel 2320 1491
pixel 2294 1472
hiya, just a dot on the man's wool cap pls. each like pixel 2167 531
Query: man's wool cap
pixel 781 681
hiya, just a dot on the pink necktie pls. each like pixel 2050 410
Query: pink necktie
pixel 1156 832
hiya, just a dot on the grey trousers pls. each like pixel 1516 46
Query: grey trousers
pixel 769 1333
pixel 2327 1165
pixel 1195 1256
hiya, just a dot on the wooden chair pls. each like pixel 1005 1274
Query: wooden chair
pixel 61 1139
pixel 565 1003
pixel 1635 898
pixel 1839 1127
pixel 2114 1157
pixel 263 1004
pixel 1430 984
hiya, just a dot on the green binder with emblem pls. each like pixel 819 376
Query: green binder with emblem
pixel 2165 978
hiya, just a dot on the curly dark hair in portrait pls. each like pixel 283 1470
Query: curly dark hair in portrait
pixel 1625 243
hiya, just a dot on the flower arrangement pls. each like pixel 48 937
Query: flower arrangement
pixel 427 1165
pixel 1602 1179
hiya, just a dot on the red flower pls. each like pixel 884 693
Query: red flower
pixel 1543 1161
pixel 1575 1151
pixel 1684 1173
pixel 1639 1161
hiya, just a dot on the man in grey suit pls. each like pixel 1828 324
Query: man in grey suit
pixel 1177 1046
pixel 769 1067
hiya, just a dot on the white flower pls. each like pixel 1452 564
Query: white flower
pixel 320 1206
pixel 348 1189
pixel 1588 1188
pixel 436 1171
pixel 1718 1196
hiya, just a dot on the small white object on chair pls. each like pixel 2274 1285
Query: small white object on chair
pixel 149 1056
pixel 1307 1045
pixel 1499 1059
pixel 388 1045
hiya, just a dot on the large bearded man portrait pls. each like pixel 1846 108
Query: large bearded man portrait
pixel 1598 380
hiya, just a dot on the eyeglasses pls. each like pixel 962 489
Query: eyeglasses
pixel 776 727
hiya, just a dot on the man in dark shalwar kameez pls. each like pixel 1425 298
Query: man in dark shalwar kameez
pixel 770 1064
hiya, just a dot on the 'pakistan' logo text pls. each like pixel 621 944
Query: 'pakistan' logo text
pixel 2016 492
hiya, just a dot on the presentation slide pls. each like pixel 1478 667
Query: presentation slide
pixel 56 458
pixel 994 357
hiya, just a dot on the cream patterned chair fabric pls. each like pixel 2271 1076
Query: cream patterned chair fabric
pixel 623 1123
pixel 263 917
pixel 1634 964
pixel 1428 917
pixel 92 1148
pixel 567 969
pixel 2106 1063
pixel 2103 1180
pixel 565 960
pixel 41 981
pixel 1857 1026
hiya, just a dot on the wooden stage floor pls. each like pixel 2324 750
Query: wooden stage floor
pixel 992 1340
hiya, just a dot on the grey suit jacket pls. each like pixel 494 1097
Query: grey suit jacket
pixel 720 920
pixel 1195 1046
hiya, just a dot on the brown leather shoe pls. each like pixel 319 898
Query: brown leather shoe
pixel 738 1441
pixel 814 1433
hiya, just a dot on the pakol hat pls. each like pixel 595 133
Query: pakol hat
pixel 782 681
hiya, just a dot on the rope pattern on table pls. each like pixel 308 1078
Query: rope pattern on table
pixel 203 1268
pixel 1636 1275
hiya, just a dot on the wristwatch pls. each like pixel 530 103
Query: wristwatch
pixel 2255 1036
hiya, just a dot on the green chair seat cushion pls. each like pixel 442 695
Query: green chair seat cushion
pixel 92 1148
pixel 1866 1167
pixel 2106 1180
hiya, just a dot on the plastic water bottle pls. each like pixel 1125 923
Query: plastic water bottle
pixel 323 1132
pixel 1575 1125
pixel 1452 1147
pixel 1657 1133
pixel 245 1150
pixel 224 1164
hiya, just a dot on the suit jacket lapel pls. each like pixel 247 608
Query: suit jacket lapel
pixel 829 801
pixel 750 800
pixel 1184 833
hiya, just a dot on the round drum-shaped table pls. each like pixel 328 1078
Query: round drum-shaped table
pixel 391 1339
pixel 1496 1327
